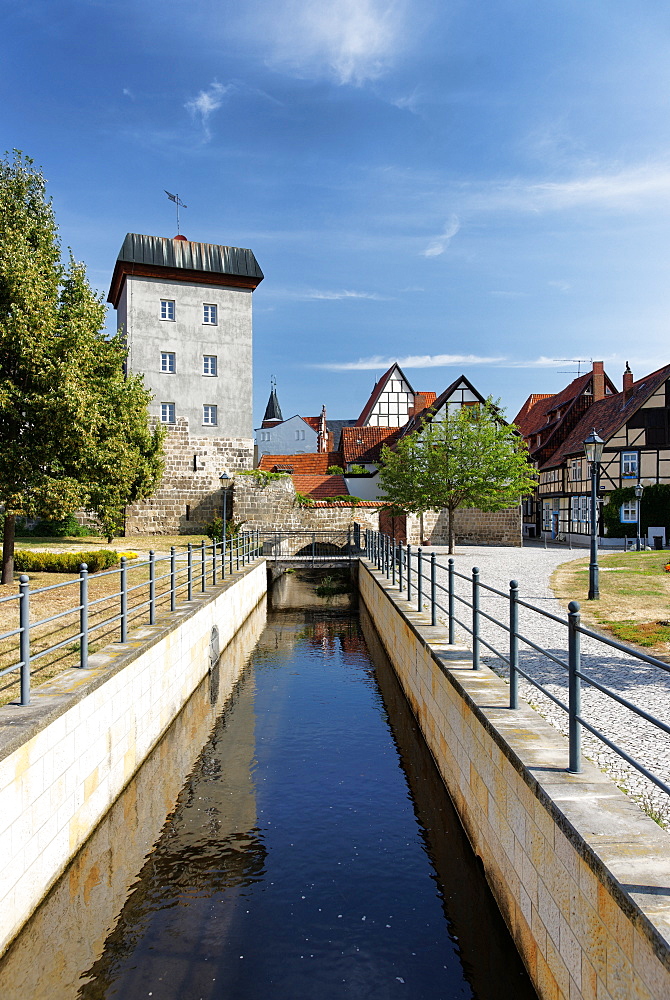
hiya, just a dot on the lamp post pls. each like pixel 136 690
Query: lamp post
pixel 639 490
pixel 224 479
pixel 593 449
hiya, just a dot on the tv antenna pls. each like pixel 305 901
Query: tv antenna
pixel 178 202
pixel 574 361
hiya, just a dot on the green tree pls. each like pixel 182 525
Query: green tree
pixel 472 458
pixel 74 430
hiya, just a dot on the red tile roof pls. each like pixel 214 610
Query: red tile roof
pixel 364 444
pixel 345 503
pixel 523 417
pixel 423 399
pixel 312 463
pixel 314 422
pixel 320 486
pixel 608 415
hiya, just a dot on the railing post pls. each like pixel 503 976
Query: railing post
pixel 224 545
pixel 401 553
pixel 451 602
pixel 513 644
pixel 409 572
pixel 190 571
pixel 394 553
pixel 475 618
pixel 203 567
pixel 230 555
pixel 152 587
pixel 419 579
pixel 387 555
pixel 124 600
pixel 574 688
pixel 83 615
pixel 24 638
pixel 433 589
pixel 173 581
pixel 214 562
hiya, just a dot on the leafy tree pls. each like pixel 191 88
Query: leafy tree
pixel 472 458
pixel 74 430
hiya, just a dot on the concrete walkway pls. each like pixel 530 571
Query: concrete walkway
pixel 644 685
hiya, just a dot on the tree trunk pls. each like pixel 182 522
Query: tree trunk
pixel 451 531
pixel 8 549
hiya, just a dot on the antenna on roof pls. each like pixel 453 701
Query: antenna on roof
pixel 574 361
pixel 178 202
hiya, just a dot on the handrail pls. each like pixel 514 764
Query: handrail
pixel 218 559
pixel 401 562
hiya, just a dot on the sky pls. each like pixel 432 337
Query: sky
pixel 475 187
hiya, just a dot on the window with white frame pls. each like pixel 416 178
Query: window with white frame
pixel 629 463
pixel 546 515
pixel 575 469
pixel 209 365
pixel 167 309
pixel 629 512
pixel 209 415
pixel 168 362
pixel 209 314
pixel 167 413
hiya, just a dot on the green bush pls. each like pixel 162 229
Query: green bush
pixel 26 561
pixel 654 509
pixel 67 527
pixel 334 470
pixel 357 470
pixel 214 529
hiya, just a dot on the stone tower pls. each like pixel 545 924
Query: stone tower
pixel 185 310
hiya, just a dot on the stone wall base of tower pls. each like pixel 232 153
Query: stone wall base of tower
pixel 189 496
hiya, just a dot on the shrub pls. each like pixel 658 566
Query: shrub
pixel 357 470
pixel 303 500
pixel 343 498
pixel 214 529
pixel 263 477
pixel 26 561
pixel 334 470
pixel 67 527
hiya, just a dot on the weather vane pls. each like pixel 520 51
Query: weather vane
pixel 178 202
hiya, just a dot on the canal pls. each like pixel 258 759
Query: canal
pixel 292 841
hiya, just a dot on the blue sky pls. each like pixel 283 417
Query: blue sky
pixel 478 187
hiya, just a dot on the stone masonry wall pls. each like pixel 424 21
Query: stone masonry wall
pixel 189 496
pixel 273 505
pixel 472 526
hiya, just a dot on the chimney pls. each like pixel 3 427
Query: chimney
pixel 627 382
pixel 598 380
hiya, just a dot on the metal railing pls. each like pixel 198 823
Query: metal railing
pixel 165 582
pixel 396 560
pixel 312 548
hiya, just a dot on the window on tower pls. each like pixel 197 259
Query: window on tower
pixel 209 415
pixel 168 362
pixel 209 314
pixel 167 413
pixel 167 309
pixel 209 365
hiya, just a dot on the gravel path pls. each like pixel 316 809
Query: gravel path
pixel 646 686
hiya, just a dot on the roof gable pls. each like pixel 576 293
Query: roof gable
pixel 392 383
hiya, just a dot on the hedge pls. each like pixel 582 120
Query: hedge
pixel 26 561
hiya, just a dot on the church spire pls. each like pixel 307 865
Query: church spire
pixel 273 413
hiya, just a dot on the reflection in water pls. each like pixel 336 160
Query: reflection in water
pixel 68 932
pixel 297 863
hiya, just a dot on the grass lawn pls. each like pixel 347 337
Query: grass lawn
pixel 634 603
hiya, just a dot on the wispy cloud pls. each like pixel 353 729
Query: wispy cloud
pixel 440 243
pixel 560 286
pixel 500 294
pixel 127 92
pixel 410 361
pixel 332 296
pixel 206 103
pixel 350 41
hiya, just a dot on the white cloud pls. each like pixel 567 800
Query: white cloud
pixel 440 243
pixel 560 286
pixel 206 103
pixel 332 296
pixel 350 41
pixel 410 361
pixel 128 93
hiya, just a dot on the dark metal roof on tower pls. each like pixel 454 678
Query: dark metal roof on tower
pixel 183 260
pixel 273 409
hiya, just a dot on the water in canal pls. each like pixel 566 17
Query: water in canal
pixel 311 850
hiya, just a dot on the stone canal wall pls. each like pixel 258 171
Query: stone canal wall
pixel 66 757
pixel 581 876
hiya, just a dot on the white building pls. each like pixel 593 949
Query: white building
pixel 185 310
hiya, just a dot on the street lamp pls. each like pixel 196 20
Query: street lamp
pixel 224 479
pixel 639 490
pixel 593 449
